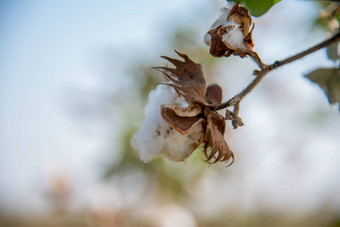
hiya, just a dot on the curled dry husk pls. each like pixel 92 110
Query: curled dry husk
pixel 188 81
pixel 231 33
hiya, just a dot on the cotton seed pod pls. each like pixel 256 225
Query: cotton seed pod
pixel 231 33
pixel 182 115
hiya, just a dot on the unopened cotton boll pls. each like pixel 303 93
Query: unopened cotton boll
pixel 156 136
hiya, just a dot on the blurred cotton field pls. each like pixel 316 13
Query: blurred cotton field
pixel 74 80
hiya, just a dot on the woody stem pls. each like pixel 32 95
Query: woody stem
pixel 267 68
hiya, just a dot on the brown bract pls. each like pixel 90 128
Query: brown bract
pixel 219 47
pixel 188 81
pixel 240 15
pixel 187 78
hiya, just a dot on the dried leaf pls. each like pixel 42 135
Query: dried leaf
pixel 215 140
pixel 187 78
pixel 329 80
pixel 333 51
pixel 213 94
pixel 182 124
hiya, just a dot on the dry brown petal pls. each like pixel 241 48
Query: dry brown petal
pixel 187 78
pixel 213 94
pixel 180 123
pixel 215 140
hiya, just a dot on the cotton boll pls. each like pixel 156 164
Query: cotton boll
pixel 155 136
pixel 233 38
pixel 222 19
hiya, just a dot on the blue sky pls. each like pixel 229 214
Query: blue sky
pixel 47 49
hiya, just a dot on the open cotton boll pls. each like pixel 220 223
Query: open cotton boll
pixel 156 136
pixel 222 19
pixel 233 38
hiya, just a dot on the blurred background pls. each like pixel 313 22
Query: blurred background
pixel 74 78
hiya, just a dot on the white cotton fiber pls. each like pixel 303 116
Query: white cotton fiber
pixel 222 19
pixel 178 147
pixel 155 136
pixel 234 37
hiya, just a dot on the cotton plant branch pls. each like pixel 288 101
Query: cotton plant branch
pixel 184 114
pixel 235 101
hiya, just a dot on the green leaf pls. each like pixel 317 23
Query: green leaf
pixel 257 7
pixel 333 52
pixel 329 80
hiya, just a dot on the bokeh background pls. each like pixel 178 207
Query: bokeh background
pixel 74 77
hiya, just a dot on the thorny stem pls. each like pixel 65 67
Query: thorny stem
pixel 267 68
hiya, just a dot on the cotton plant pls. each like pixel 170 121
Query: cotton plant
pixel 182 113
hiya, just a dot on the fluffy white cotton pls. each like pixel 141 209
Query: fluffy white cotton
pixel 234 37
pixel 178 147
pixel 155 136
pixel 222 19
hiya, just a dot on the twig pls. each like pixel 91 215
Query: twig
pixel 267 68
